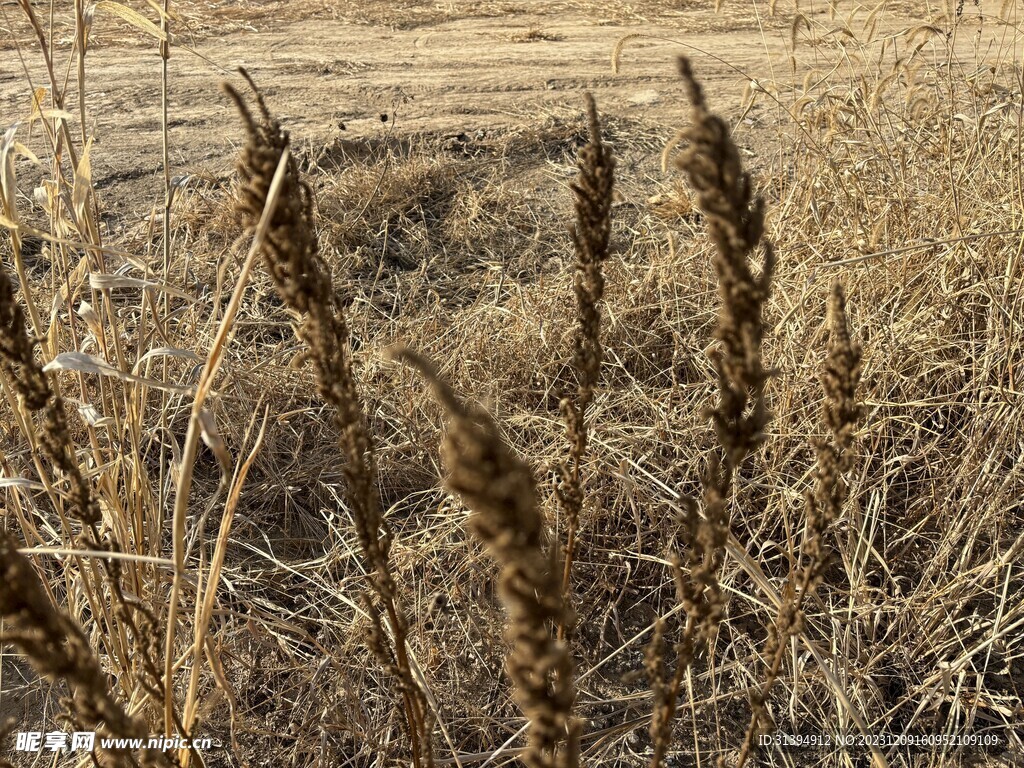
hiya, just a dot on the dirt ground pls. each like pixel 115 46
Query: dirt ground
pixel 465 76
pixel 440 69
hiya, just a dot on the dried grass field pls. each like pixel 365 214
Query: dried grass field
pixel 549 384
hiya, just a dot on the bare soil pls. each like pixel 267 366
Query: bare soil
pixel 333 79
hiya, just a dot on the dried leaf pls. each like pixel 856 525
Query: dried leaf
pixel 133 17
pixel 8 181
pixel 83 363
pixel 83 182
pixel 21 482
pixel 213 440
pixel 103 281
pixel 91 416
pixel 168 352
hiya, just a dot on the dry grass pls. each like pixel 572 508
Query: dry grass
pixel 163 447
pixel 60 650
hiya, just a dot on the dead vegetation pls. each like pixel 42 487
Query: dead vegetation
pixel 232 508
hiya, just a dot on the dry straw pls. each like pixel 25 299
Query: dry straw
pixel 303 280
pixel 38 396
pixel 18 363
pixel 735 219
pixel 499 489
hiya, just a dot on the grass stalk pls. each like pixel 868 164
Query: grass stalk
pixel 499 489
pixel 38 396
pixel 195 427
pixel 590 234
pixel 735 219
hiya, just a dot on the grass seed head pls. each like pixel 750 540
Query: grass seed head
pixel 842 413
pixel 736 223
pixel 303 280
pixel 499 489
pixel 590 233
pixel 59 650
pixel 735 219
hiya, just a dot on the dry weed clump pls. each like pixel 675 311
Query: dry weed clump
pixel 499 489
pixel 26 376
pixel 407 221
pixel 900 182
pixel 304 282
pixel 23 373
pixel 59 649
pixel 389 208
